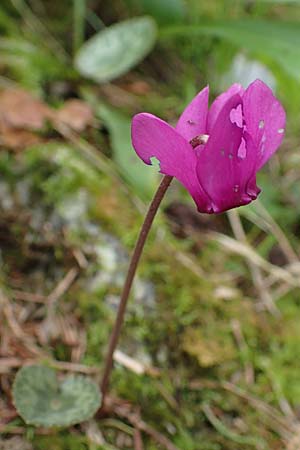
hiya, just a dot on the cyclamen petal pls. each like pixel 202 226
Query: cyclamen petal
pixel 152 137
pixel 219 166
pixel 192 121
pixel 243 128
pixel 264 118
pixel 219 102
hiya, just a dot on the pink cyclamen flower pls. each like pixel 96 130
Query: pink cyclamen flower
pixel 215 153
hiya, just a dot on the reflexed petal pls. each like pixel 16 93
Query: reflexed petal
pixel 222 172
pixel 152 137
pixel 219 102
pixel 264 118
pixel 192 121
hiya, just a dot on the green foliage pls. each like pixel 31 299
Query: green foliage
pixel 62 441
pixel 29 63
pixel 61 171
pixel 42 401
pixel 116 49
pixel 141 177
pixel 272 41
pixel 165 12
pixel 7 24
pixel 282 1
pixel 79 11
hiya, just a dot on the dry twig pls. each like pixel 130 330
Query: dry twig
pixel 134 418
pixel 240 235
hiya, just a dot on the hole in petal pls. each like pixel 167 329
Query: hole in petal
pixel 191 122
pixel 264 138
pixel 155 163
pixel 261 124
pixel 280 131
pixel 236 188
pixel 230 156
pixel 236 116
pixel 242 151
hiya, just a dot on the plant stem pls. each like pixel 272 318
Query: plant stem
pixel 79 11
pixel 137 252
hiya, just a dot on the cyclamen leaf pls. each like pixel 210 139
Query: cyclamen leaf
pixel 42 401
pixel 116 49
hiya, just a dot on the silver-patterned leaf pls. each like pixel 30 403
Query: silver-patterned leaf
pixel 116 49
pixel 42 401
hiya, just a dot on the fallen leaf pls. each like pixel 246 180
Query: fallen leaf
pixel 17 139
pixel 138 87
pixel 76 114
pixel 19 109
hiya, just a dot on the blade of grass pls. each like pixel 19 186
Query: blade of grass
pixel 79 12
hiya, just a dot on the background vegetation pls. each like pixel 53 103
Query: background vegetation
pixel 213 323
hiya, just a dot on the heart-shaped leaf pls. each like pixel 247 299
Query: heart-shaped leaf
pixel 42 401
pixel 113 51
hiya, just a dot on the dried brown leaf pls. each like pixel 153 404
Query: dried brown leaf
pixel 19 109
pixel 76 114
pixel 17 139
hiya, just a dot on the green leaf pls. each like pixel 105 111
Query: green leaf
pixel 274 41
pixel 167 11
pixel 8 24
pixel 42 401
pixel 142 177
pixel 116 49
pixel 282 1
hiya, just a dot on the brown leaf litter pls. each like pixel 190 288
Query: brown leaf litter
pixel 23 118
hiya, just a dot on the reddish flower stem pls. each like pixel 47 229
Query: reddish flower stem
pixel 136 255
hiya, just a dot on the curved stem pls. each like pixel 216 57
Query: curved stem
pixel 138 249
